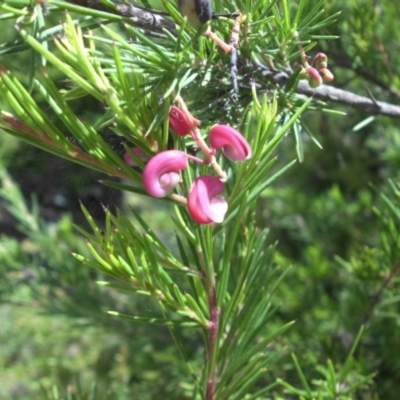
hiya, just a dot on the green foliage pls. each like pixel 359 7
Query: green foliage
pixel 56 326
pixel 97 85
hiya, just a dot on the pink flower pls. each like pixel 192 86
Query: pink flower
pixel 232 142
pixel 161 173
pixel 139 152
pixel 178 121
pixel 204 204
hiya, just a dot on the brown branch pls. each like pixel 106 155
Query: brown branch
pixel 330 93
pixel 343 61
pixel 376 81
pixel 150 20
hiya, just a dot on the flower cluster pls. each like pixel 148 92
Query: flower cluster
pixel 318 71
pixel 162 173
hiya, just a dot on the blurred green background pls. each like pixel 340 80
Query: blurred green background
pixel 56 338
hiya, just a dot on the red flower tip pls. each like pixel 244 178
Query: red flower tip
pixel 178 121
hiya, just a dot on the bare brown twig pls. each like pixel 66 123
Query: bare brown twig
pixel 147 19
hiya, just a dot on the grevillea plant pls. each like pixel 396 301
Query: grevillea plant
pixel 206 167
pixel 161 174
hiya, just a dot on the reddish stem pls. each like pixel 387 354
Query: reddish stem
pixel 196 135
pixel 214 325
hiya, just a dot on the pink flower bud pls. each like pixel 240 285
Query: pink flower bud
pixel 161 174
pixel 232 142
pixel 204 204
pixel 320 61
pixel 327 75
pixel 178 121
pixel 139 152
pixel 314 78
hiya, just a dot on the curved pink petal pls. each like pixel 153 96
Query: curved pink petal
pixel 204 204
pixel 161 174
pixel 178 121
pixel 232 142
